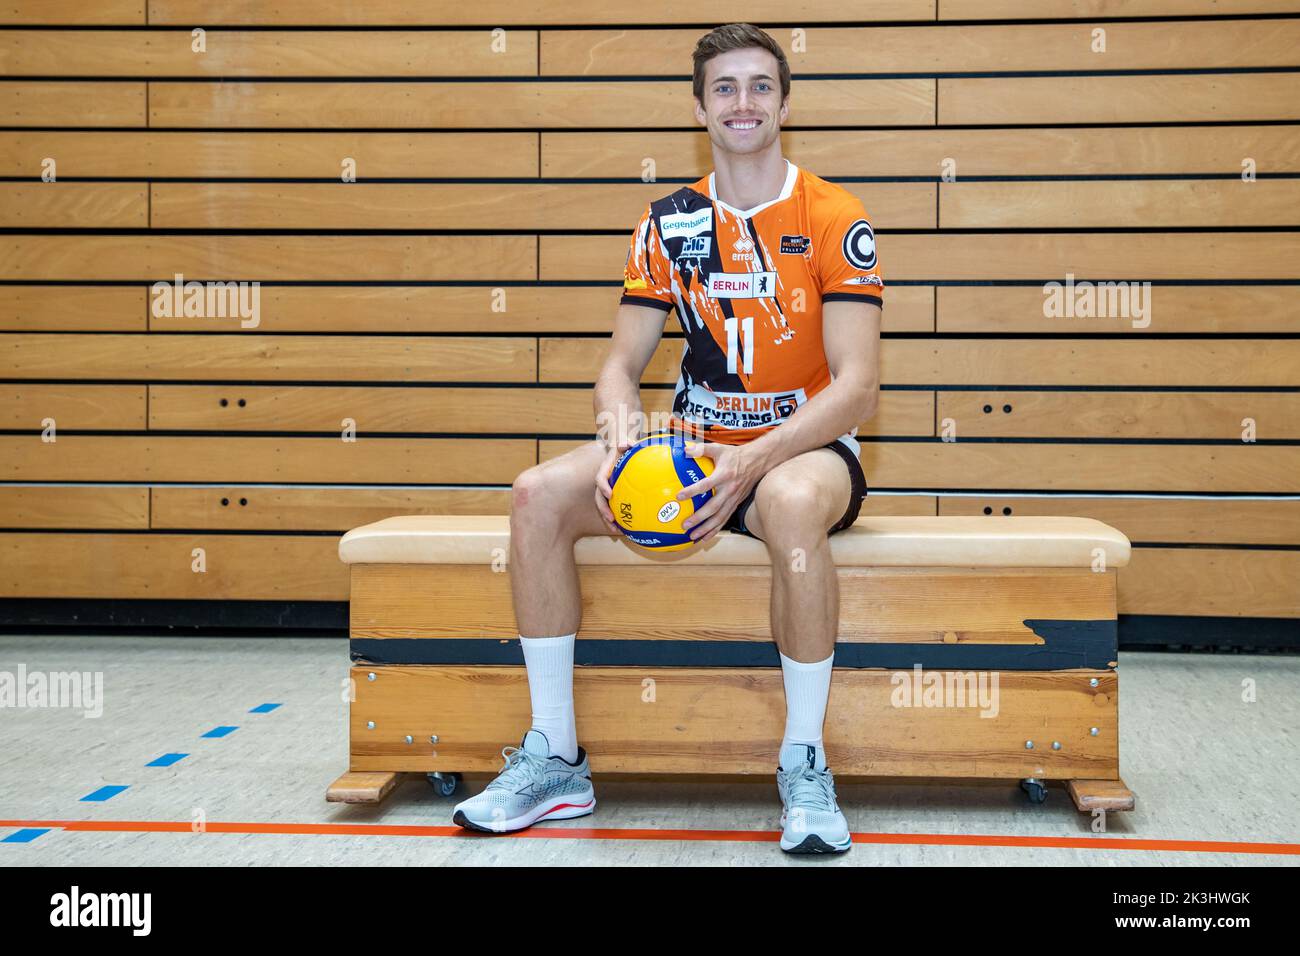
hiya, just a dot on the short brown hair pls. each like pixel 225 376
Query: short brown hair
pixel 737 36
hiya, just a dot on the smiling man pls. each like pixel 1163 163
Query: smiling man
pixel 774 277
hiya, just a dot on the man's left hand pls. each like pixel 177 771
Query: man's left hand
pixel 736 471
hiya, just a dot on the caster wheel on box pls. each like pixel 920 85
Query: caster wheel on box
pixel 1035 789
pixel 444 783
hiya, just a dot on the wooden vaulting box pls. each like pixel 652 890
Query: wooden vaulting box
pixel 967 648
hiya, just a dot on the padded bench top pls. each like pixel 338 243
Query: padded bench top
pixel 885 541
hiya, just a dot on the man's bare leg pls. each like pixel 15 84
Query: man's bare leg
pixel 552 507
pixel 547 777
pixel 795 504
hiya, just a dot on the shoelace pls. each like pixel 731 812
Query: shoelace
pixel 810 789
pixel 519 763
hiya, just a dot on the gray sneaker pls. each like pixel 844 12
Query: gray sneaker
pixel 532 786
pixel 811 821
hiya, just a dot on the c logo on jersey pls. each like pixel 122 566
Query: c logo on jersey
pixel 860 245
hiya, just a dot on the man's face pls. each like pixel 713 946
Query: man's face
pixel 742 106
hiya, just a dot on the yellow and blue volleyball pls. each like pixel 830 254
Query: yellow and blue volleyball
pixel 645 481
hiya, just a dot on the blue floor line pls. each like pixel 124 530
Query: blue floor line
pixel 102 794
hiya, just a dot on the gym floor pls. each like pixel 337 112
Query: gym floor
pixel 1217 779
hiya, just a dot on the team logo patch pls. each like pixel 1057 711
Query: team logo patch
pixel 860 245
pixel 795 245
pixel 742 285
pixel 783 406
pixel 696 247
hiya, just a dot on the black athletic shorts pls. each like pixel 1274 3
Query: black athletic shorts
pixel 858 491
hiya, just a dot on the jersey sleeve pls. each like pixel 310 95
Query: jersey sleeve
pixel 847 263
pixel 647 274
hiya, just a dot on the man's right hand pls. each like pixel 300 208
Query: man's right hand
pixel 603 490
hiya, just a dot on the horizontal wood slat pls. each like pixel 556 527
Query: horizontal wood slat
pixel 1212 203
pixel 1009 9
pixel 1211 582
pixel 1131 415
pixel 300 53
pixel 649 52
pixel 233 155
pixel 1148 520
pixel 378 409
pixel 447 12
pixel 568 258
pixel 1066 467
pixel 65 205
pixel 946 49
pixel 340 509
pixel 266 459
pixel 66 506
pixel 499 105
pixel 996 362
pixel 72 103
pixel 469 410
pixel 110 407
pixel 35 308
pixel 159 257
pixel 73 12
pixel 373 309
pixel 1171 309
pixel 962 205
pixel 1187 98
pixel 986 257
pixel 222 154
pixel 312 509
pixel 465 206
pixel 922 152
pixel 157 566
pixel 569 309
pixel 250 356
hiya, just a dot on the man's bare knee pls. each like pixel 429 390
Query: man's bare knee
pixel 790 507
pixel 555 498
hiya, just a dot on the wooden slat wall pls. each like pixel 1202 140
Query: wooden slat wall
pixel 452 306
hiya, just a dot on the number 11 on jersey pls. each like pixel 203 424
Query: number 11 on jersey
pixel 747 326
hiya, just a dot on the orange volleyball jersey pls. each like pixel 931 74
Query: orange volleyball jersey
pixel 748 287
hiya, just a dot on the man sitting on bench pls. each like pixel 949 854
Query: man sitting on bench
pixel 774 276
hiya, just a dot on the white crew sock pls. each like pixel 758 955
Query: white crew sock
pixel 550 684
pixel 807 687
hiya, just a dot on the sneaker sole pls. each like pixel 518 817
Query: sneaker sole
pixel 812 843
pixel 559 808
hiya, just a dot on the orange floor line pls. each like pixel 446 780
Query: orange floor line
pixel 741 836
